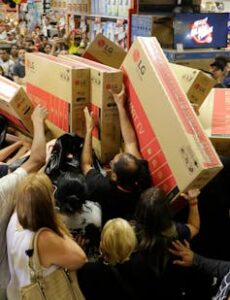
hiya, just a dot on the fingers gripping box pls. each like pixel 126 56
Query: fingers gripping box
pixel 170 136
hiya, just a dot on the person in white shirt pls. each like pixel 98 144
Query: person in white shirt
pixel 8 186
pixel 6 63
pixel 35 212
pixel 3 33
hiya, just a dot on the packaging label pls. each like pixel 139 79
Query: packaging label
pixel 149 146
pixel 58 108
pixel 180 102
pixel 221 113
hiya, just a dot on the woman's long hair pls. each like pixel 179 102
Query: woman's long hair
pixel 155 228
pixel 35 205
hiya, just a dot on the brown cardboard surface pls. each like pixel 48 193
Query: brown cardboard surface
pixel 105 51
pixel 60 86
pixel 107 136
pixel 195 83
pixel 201 64
pixel 170 136
pixel 16 105
pixel 215 118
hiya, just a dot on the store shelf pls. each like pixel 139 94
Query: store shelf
pixel 103 16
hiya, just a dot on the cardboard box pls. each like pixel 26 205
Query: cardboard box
pixel 107 136
pixel 195 83
pixel 170 136
pixel 197 59
pixel 104 51
pixel 215 118
pixel 153 25
pixel 62 87
pixel 15 105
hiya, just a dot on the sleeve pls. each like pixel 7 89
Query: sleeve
pixel 96 183
pixel 8 185
pixel 183 231
pixel 144 180
pixel 213 267
pixel 9 182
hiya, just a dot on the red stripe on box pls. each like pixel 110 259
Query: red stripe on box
pixel 180 101
pixel 148 143
pixel 221 112
pixel 57 107
pixel 91 57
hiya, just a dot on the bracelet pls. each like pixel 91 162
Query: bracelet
pixel 193 203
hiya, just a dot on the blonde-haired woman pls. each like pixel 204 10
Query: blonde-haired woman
pixel 35 210
pixel 109 278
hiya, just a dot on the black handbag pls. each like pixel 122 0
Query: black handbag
pixel 65 156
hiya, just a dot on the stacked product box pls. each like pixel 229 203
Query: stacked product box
pixel 195 83
pixel 15 105
pixel 170 136
pixel 215 118
pixel 60 86
pixel 106 136
pixel 103 50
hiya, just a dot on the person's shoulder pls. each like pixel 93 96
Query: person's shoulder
pixel 96 176
pixel 92 268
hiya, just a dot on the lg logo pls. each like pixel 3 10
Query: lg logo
pixel 137 59
pixel 64 77
pixel 102 44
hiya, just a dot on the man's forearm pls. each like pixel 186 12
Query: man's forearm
pixel 86 156
pixel 212 267
pixel 38 148
pixel 127 130
pixel 194 216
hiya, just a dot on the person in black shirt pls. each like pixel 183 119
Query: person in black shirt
pixel 118 193
pixel 111 276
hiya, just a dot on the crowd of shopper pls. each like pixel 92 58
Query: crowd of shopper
pixel 116 230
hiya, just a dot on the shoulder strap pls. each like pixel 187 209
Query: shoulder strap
pixel 34 262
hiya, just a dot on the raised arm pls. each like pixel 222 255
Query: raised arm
pixel 7 151
pixel 127 131
pixel 86 156
pixel 38 149
pixel 193 221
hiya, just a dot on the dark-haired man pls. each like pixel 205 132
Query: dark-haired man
pixel 5 62
pixel 119 192
pixel 218 71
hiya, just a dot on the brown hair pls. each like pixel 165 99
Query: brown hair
pixel 35 205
